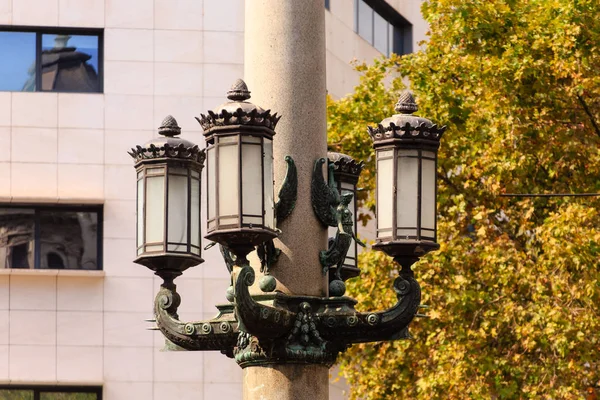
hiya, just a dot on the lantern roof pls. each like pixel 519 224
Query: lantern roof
pixel 345 165
pixel 168 145
pixel 405 125
pixel 238 111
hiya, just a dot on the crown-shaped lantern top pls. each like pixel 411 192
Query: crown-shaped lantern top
pixel 238 111
pixel 407 127
pixel 345 165
pixel 168 145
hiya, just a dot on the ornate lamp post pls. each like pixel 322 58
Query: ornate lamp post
pixel 406 151
pixel 345 172
pixel 286 336
pixel 168 201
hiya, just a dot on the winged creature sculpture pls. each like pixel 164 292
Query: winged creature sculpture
pixel 331 209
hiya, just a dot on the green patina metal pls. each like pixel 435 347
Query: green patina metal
pixel 331 209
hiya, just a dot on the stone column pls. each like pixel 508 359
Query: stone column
pixel 285 71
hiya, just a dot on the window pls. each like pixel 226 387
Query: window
pixel 10 392
pixel 327 6
pixel 50 237
pixel 50 60
pixel 382 26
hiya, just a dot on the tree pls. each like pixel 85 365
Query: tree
pixel 514 290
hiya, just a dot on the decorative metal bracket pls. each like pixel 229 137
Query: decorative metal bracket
pixel 331 209
pixel 288 194
pixel 286 329
pixel 219 333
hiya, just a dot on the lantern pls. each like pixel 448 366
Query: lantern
pixel 406 157
pixel 168 201
pixel 346 172
pixel 239 144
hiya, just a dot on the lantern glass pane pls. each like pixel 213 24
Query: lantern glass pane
pixel 155 209
pixel 178 210
pixel 140 212
pixel 407 187
pixel 268 182
pixel 212 183
pixel 385 192
pixel 195 214
pixel 350 188
pixel 252 177
pixel 228 165
pixel 428 193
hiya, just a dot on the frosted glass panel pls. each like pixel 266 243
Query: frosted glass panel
pixel 255 221
pixel 195 213
pixel 155 209
pixel 211 183
pixel 428 194
pixel 155 247
pixel 228 180
pixel 268 179
pixel 140 212
pixel 178 195
pixel 406 233
pixel 407 190
pixel 252 180
pixel 229 221
pixel 385 193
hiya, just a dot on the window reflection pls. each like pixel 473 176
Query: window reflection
pixel 17 68
pixel 16 238
pixel 49 239
pixel 64 62
pixel 69 63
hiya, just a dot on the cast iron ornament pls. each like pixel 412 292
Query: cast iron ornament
pixel 331 209
pixel 286 329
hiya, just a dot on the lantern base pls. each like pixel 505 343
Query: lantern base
pixel 406 248
pixel 240 238
pixel 168 263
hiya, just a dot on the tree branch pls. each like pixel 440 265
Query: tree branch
pixel 589 114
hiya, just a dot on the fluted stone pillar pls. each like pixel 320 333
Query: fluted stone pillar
pixel 285 71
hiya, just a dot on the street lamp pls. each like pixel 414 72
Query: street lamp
pixel 346 172
pixel 168 201
pixel 406 156
pixel 273 327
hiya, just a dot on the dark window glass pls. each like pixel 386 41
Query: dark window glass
pixel 50 393
pixel 53 61
pixel 67 396
pixel 380 33
pixel 17 68
pixel 50 238
pixel 387 31
pixel 365 21
pixel 8 394
pixel 327 4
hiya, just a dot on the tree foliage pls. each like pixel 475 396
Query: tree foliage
pixel 515 288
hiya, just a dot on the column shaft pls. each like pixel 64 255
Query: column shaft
pixel 285 71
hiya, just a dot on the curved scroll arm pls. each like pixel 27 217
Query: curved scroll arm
pixel 390 324
pixel 219 333
pixel 255 318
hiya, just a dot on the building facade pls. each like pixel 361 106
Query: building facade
pixel 81 82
